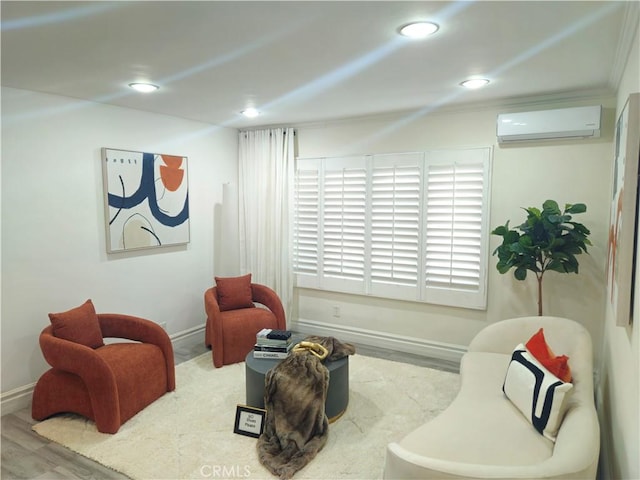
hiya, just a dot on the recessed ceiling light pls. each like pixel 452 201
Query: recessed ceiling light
pixel 250 112
pixel 144 87
pixel 475 83
pixel 419 29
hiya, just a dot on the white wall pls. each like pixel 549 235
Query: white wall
pixel 619 397
pixel 523 175
pixel 53 231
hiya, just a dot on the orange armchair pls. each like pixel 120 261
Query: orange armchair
pixel 110 383
pixel 231 332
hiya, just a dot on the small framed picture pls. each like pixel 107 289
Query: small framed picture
pixel 249 421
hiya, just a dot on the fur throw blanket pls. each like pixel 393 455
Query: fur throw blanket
pixel 296 426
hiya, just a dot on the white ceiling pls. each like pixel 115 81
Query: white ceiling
pixel 311 61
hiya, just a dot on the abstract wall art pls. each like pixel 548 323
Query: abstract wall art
pixel 146 199
pixel 622 228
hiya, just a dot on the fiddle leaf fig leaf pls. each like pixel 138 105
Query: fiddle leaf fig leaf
pixel 559 218
pixel 551 206
pixel 525 242
pixel 575 208
pixel 556 265
pixel 503 267
pixel 501 230
pixel 533 213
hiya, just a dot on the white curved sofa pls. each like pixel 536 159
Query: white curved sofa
pixel 483 435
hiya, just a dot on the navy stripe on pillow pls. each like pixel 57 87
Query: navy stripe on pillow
pixel 539 423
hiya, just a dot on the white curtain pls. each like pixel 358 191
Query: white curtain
pixel 266 177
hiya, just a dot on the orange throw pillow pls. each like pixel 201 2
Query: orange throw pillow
pixel 234 292
pixel 558 365
pixel 78 325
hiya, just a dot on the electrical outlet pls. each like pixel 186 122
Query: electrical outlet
pixel 336 311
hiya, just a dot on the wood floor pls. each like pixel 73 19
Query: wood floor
pixel 26 455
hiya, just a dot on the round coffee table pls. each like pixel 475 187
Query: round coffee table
pixel 337 393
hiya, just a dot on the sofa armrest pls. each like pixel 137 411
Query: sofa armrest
pixel 269 298
pixel 84 362
pixel 213 327
pixel 211 306
pixel 141 330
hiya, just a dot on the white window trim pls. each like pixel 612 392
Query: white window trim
pixel 421 292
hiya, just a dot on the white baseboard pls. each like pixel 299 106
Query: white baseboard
pixel 416 346
pixel 16 399
pixel 199 330
pixel 20 397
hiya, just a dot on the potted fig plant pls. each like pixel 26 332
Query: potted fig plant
pixel 548 239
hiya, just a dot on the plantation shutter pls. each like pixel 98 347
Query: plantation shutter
pixel 395 225
pixel 343 222
pixel 456 208
pixel 306 252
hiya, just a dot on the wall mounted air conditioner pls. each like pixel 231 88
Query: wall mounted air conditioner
pixel 577 122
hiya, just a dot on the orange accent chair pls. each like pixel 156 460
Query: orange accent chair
pixel 107 383
pixel 233 319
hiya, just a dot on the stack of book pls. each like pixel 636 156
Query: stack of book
pixel 276 344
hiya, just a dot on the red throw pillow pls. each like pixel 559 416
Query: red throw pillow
pixel 79 325
pixel 558 365
pixel 234 292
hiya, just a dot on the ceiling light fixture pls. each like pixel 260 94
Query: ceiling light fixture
pixel 144 87
pixel 419 30
pixel 250 112
pixel 474 83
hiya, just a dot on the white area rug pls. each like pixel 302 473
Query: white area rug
pixel 188 434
